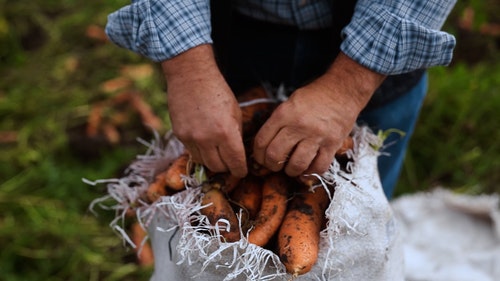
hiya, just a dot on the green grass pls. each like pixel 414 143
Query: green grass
pixel 455 144
pixel 51 73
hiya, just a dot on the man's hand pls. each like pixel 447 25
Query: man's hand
pixel 204 113
pixel 304 132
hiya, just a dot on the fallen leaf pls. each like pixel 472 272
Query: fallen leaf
pixel 8 136
pixel 115 84
pixel 138 71
pixel 96 33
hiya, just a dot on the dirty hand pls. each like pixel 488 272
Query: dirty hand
pixel 304 132
pixel 204 113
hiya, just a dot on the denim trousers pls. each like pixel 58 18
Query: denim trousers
pixel 251 53
pixel 399 114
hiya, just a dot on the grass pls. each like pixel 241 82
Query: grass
pixel 52 73
pixel 455 144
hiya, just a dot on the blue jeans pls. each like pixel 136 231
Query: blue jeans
pixel 401 114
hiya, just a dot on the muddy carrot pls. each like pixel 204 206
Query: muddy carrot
pixel 223 181
pixel 220 208
pixel 347 144
pixel 272 209
pixel 299 234
pixel 254 93
pixel 174 173
pixel 247 196
pixel 157 188
pixel 254 114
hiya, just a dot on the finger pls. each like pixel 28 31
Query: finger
pixel 280 149
pixel 233 156
pixel 211 159
pixel 322 161
pixel 263 138
pixel 194 154
pixel 302 158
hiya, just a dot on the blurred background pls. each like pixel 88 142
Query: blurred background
pixel 72 106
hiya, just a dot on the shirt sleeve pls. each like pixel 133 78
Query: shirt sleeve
pixel 160 29
pixel 395 37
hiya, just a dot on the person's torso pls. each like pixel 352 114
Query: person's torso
pixel 305 14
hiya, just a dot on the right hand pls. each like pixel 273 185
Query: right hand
pixel 204 113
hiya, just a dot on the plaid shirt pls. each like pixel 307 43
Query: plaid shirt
pixel 387 36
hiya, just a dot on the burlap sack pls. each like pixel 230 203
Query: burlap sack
pixel 361 240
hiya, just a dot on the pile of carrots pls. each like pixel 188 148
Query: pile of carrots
pixel 276 211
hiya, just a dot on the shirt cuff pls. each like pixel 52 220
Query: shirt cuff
pixel 160 29
pixel 390 44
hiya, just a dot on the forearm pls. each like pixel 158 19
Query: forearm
pixel 203 110
pixel 197 63
pixel 351 83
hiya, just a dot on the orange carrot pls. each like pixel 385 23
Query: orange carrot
pixel 223 181
pixel 178 168
pixel 145 255
pixel 299 234
pixel 247 196
pixel 220 208
pixel 254 115
pixel 257 92
pixel 347 144
pixel 157 188
pixel 272 209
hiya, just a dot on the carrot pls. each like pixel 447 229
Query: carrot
pixel 157 188
pixel 247 196
pixel 223 181
pixel 218 209
pixel 299 234
pixel 179 167
pixel 272 209
pixel 145 255
pixel 347 144
pixel 254 115
pixel 257 92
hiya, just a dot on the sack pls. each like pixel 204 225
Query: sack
pixel 360 242
pixel 450 236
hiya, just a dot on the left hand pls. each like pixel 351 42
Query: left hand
pixel 304 132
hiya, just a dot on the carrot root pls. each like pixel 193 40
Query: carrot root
pixel 174 173
pixel 218 207
pixel 299 234
pixel 272 210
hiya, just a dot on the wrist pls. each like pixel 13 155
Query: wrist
pixel 195 63
pixel 352 80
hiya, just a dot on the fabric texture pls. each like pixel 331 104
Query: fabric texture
pixel 390 37
pixel 161 29
pixel 449 236
pixel 393 37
